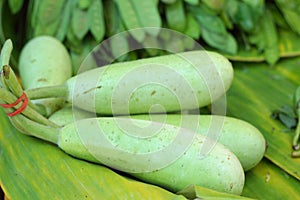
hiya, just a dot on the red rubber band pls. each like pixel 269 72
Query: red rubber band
pixel 10 105
pixel 23 98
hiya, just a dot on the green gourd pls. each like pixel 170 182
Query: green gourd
pixel 44 61
pixel 242 138
pixel 167 155
pixel 168 83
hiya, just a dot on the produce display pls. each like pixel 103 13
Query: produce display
pixel 220 169
pixel 158 99
pixel 248 136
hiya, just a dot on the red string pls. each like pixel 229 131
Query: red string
pixel 23 98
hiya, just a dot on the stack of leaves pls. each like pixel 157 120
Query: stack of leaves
pixel 248 30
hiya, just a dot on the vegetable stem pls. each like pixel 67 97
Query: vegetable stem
pixel 296 137
pixel 14 86
pixel 59 91
pixel 296 145
pixel 296 154
pixel 8 97
pixel 4 58
pixel 6 52
pixel 47 132
pixel 35 129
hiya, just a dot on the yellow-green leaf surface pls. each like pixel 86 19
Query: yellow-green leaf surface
pixel 33 169
pixel 267 181
pixel 289 46
pixel 256 92
pixel 194 192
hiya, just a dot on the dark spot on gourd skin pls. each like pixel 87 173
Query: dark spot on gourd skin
pixel 94 88
pixel 42 80
pixel 153 93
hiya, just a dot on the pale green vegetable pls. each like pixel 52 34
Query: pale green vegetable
pixel 69 114
pixel 44 61
pixel 243 139
pixel 161 154
pixel 175 82
pixel 161 158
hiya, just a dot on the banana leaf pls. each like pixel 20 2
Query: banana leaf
pixel 257 91
pixel 267 181
pixel 34 169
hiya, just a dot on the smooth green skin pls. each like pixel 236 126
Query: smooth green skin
pixel 174 82
pixel 44 61
pixel 242 138
pixel 219 170
pixel 69 114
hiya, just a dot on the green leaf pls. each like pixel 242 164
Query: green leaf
pixel 148 14
pixel 197 192
pixel 84 4
pixel 65 21
pixel 254 3
pixel 244 17
pixel 290 11
pixel 49 11
pixel 35 13
pixel 80 22
pixel 271 51
pixel 287 120
pixel 119 46
pixel 168 1
pixel 193 29
pixel 208 20
pixel 289 46
pixel 224 42
pixel 267 181
pixel 277 16
pixel 256 92
pixel 286 115
pixel 216 5
pixel 112 18
pixel 73 43
pixel 46 17
pixel 34 169
pixel 152 45
pixel 214 31
pixel 15 5
pixel 96 19
pixel 175 16
pixel 192 2
pixel 131 19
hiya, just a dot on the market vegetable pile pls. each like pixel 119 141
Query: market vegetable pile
pixel 148 107
pixel 129 149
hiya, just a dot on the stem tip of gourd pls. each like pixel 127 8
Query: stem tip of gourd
pixel 296 154
pixel 6 71
pixel 296 147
